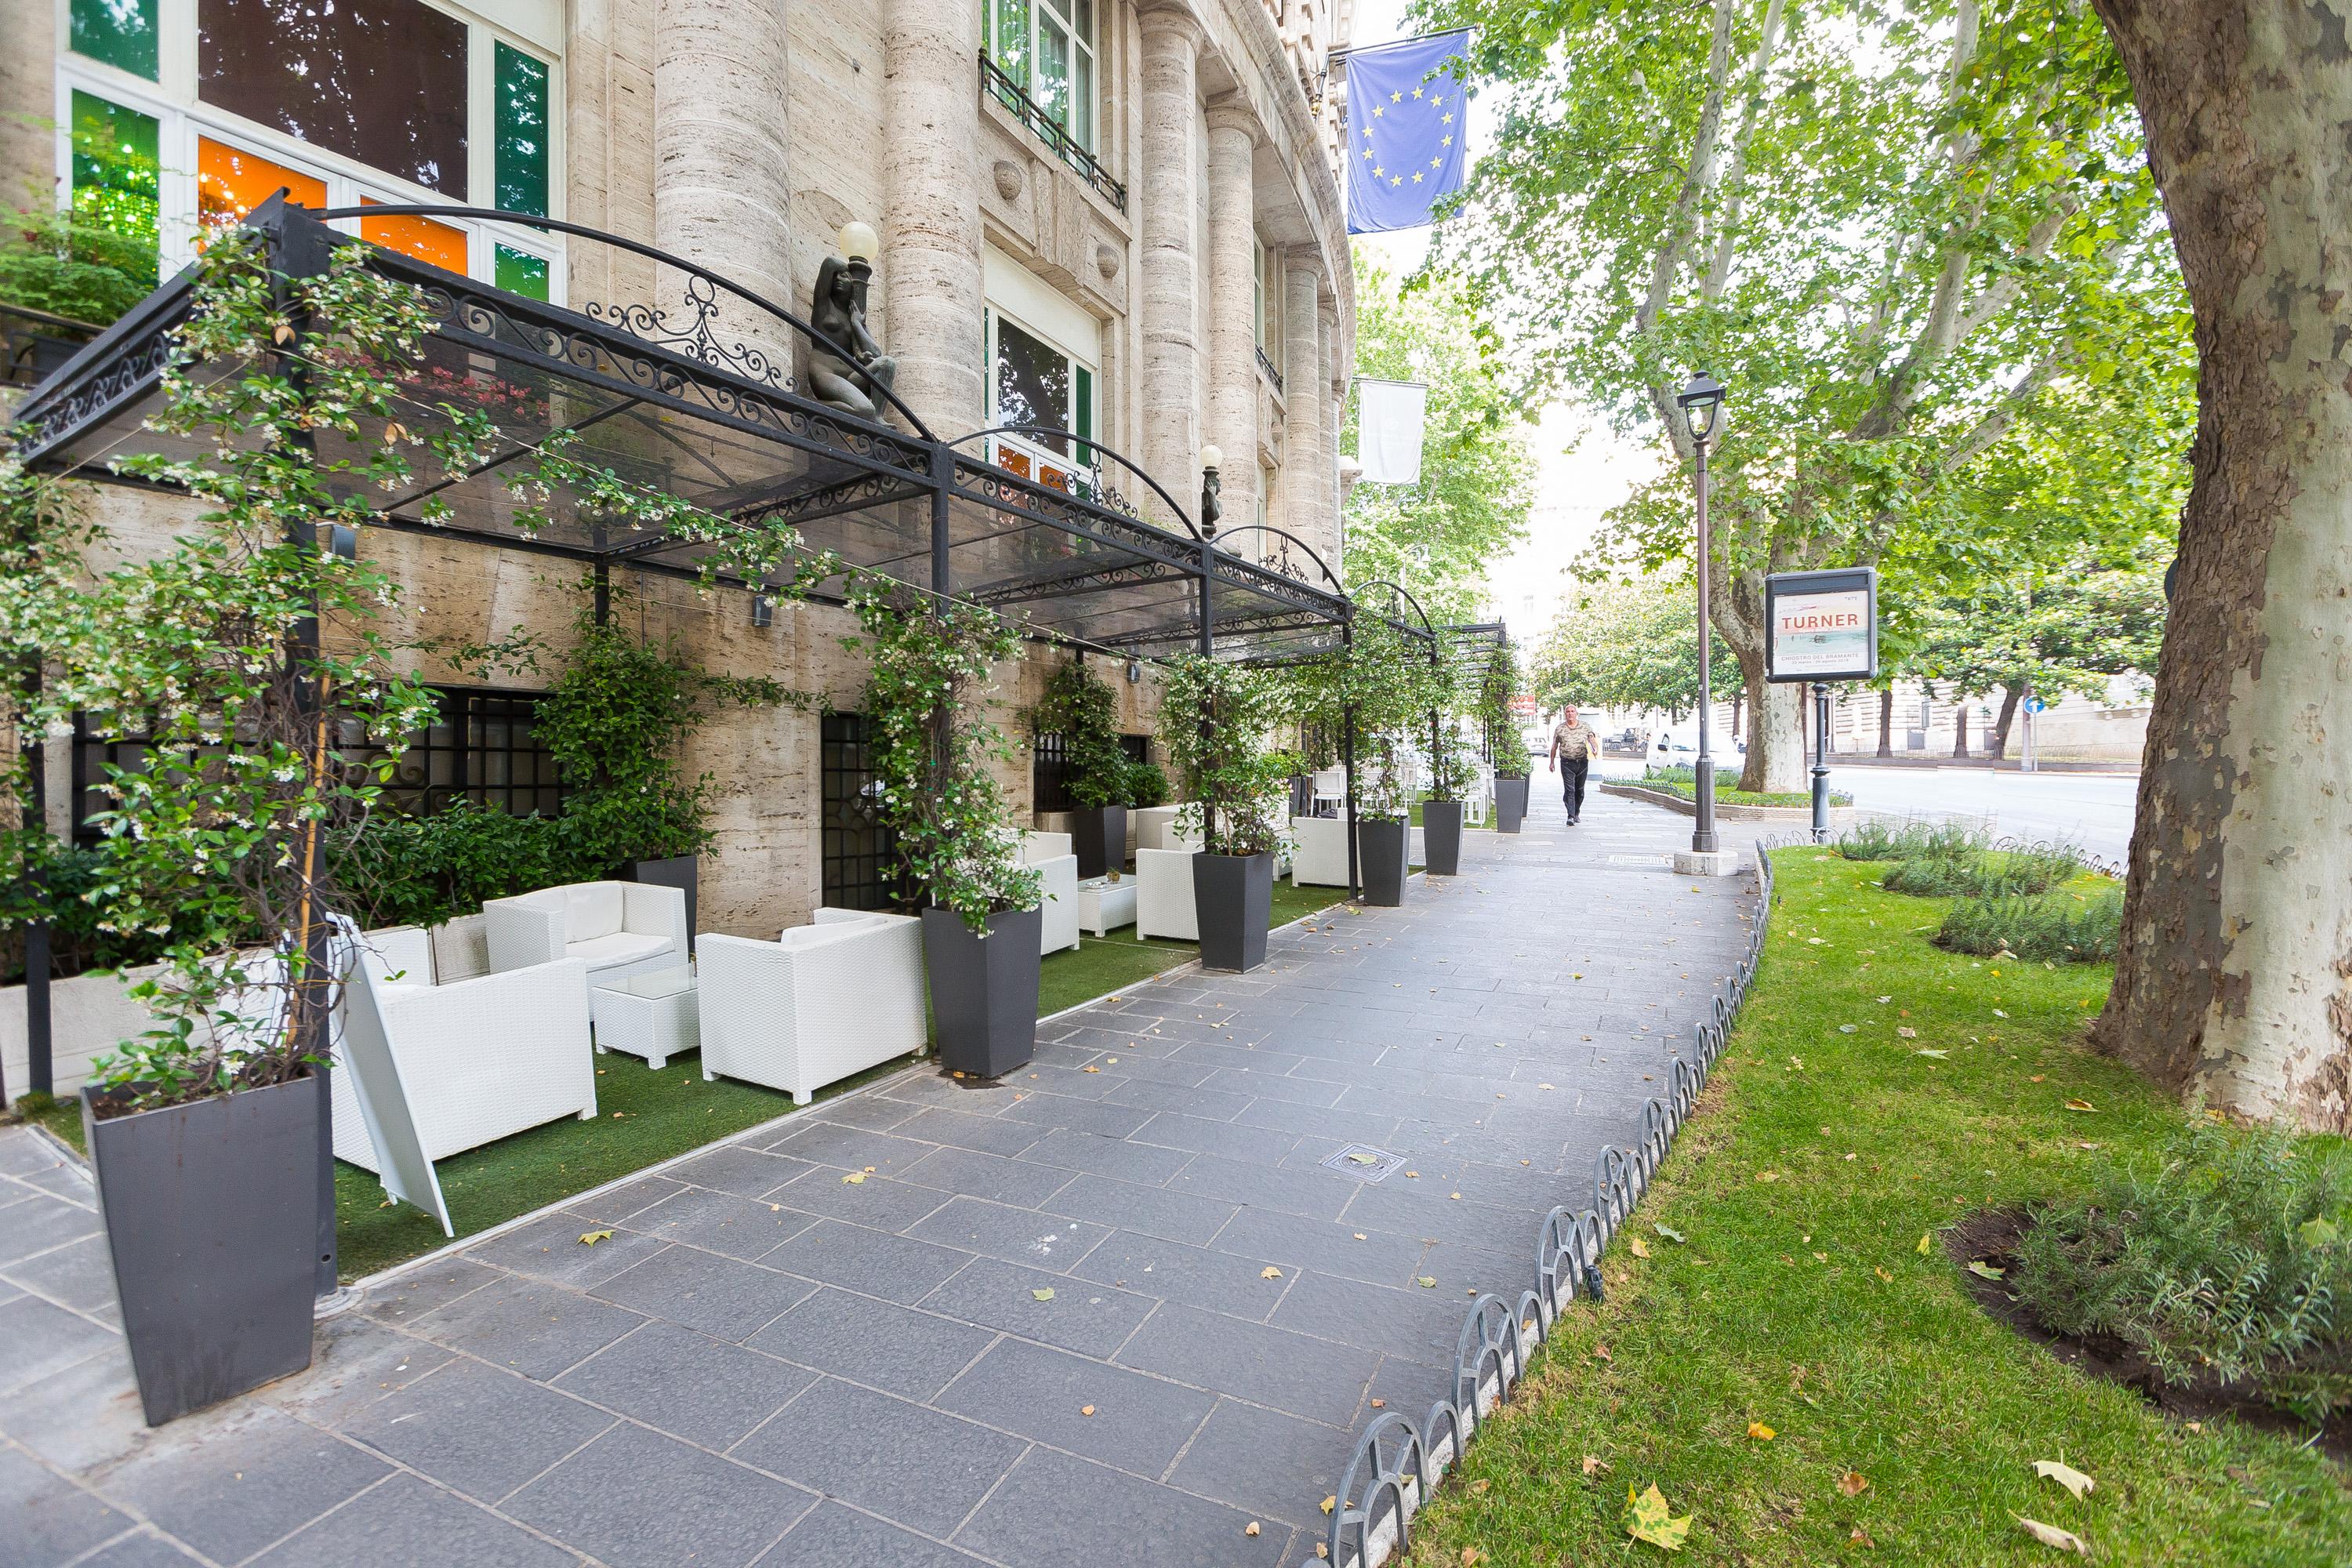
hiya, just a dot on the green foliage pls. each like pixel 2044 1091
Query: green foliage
pixel 67 263
pixel 1214 722
pixel 2227 1255
pixel 1498 729
pixel 1917 839
pixel 1628 645
pixel 613 723
pixel 421 871
pixel 1682 779
pixel 1146 784
pixel 1081 708
pixel 931 742
pixel 2056 928
pixel 1985 873
pixel 1477 478
pixel 1386 682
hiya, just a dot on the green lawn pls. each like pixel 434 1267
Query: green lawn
pixel 1679 780
pixel 1802 1300
pixel 645 1117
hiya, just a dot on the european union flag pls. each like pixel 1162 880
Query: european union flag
pixel 1405 123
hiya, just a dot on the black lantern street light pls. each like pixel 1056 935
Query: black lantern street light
pixel 1702 405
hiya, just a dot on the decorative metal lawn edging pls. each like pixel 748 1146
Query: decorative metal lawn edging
pixel 1395 1465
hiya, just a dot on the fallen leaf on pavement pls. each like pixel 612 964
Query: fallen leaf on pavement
pixel 1427 1282
pixel 1085 1410
pixel 2050 1535
pixel 1270 1271
pixel 1329 1503
pixel 2065 1475
pixel 1250 1529
pixel 854 1178
pixel 1043 1293
pixel 590 1238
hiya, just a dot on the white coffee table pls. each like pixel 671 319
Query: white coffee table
pixel 1104 905
pixel 651 1016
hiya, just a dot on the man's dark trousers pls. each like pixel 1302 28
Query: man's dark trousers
pixel 1571 785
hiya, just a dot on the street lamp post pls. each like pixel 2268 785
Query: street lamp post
pixel 1820 761
pixel 1701 399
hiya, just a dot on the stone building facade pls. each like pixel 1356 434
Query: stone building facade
pixel 1115 216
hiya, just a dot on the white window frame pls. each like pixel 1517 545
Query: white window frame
pixel 180 119
pixel 1085 117
pixel 1041 457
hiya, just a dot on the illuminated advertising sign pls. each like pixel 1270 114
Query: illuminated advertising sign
pixel 1823 625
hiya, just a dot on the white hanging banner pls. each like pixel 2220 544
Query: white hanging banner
pixel 1389 419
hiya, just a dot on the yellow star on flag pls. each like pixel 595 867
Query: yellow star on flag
pixel 1449 120
pixel 1399 179
pixel 1438 163
pixel 1378 172
pixel 1368 133
pixel 1416 179
pixel 1378 110
pixel 1448 142
pixel 1416 92
pixel 1368 154
pixel 1396 98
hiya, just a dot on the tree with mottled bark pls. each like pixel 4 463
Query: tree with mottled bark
pixel 2234 980
pixel 1891 231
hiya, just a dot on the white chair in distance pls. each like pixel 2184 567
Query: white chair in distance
pixel 479 1058
pixel 1152 826
pixel 1320 855
pixel 1050 855
pixel 821 1003
pixel 1164 890
pixel 616 929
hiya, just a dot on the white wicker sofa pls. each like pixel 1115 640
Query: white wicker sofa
pixel 616 929
pixel 479 1058
pixel 822 1002
pixel 1050 855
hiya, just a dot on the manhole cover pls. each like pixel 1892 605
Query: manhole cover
pixel 1363 1161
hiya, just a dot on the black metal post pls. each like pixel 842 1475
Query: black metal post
pixel 1703 840
pixel 39 1056
pixel 1820 761
pixel 942 588
pixel 1208 642
pixel 1348 753
pixel 602 573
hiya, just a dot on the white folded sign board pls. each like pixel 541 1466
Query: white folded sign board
pixel 1823 625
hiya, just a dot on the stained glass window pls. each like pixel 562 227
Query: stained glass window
pixel 519 272
pixel 439 243
pixel 117 171
pixel 521 130
pixel 122 32
pixel 232 182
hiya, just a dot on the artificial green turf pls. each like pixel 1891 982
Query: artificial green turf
pixel 1801 1298
pixel 644 1117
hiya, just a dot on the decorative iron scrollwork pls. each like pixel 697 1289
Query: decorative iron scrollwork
pixel 695 338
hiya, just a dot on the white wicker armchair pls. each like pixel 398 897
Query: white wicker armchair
pixel 1320 855
pixel 479 1058
pixel 817 1005
pixel 1049 855
pixel 618 929
pixel 1163 895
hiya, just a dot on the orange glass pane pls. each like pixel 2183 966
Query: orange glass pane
pixel 1013 460
pixel 422 237
pixel 231 183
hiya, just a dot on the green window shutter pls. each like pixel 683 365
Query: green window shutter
pixel 519 272
pixel 120 33
pixel 522 129
pixel 116 175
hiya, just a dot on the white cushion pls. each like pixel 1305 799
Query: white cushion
pixel 619 947
pixel 591 910
pixel 397 955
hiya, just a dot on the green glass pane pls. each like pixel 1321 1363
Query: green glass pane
pixel 1082 416
pixel 1082 102
pixel 1053 89
pixel 1012 40
pixel 122 32
pixel 116 173
pixel 519 273
pixel 522 132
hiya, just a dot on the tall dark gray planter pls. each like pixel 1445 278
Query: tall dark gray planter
pixel 211 1216
pixel 1232 896
pixel 1441 836
pixel 1511 804
pixel 1098 836
pixel 1381 846
pixel 679 871
pixel 983 991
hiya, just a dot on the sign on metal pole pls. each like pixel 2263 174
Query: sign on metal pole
pixel 1823 625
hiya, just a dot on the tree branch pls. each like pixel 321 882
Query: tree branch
pixel 1682 223
pixel 1735 181
pixel 2003 414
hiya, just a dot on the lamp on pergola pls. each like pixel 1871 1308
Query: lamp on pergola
pixel 1701 400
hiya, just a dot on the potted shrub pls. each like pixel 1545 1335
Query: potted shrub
pixel 1449 775
pixel 614 723
pixel 1213 721
pixel 931 742
pixel 1501 735
pixel 1082 711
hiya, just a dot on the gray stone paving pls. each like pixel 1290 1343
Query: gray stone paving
pixel 1112 1310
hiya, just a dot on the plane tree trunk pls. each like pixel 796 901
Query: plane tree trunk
pixel 1886 723
pixel 2009 698
pixel 2234 982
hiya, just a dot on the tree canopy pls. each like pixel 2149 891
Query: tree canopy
pixel 1627 645
pixel 1477 478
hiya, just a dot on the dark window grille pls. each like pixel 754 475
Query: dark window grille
pixel 481 749
pixel 1049 129
pixel 859 852
pixel 1266 365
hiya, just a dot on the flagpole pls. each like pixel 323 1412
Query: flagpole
pixel 1341 54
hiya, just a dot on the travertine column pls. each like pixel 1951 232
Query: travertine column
pixel 721 198
pixel 1169 190
pixel 1232 314
pixel 1303 490
pixel 931 263
pixel 1331 397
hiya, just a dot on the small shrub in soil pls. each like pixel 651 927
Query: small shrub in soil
pixel 2226 1256
pixel 1985 873
pixel 1880 840
pixel 2055 927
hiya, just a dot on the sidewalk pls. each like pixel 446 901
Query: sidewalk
pixel 1113 1311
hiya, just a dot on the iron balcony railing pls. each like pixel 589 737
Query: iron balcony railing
pixel 1042 124
pixel 1266 365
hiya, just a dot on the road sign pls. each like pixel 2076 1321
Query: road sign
pixel 1823 625
pixel 2035 705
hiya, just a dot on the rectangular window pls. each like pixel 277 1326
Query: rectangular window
pixel 383 82
pixel 1033 384
pixel 1011 43
pixel 1257 289
pixel 232 182
pixel 521 130
pixel 481 748
pixel 520 273
pixel 117 172
pixel 1046 48
pixel 859 852
pixel 439 243
pixel 120 33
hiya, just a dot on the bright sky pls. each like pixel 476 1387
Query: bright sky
pixel 1582 468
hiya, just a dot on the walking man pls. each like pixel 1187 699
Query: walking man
pixel 1574 745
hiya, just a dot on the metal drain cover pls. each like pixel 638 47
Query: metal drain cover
pixel 1363 1161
